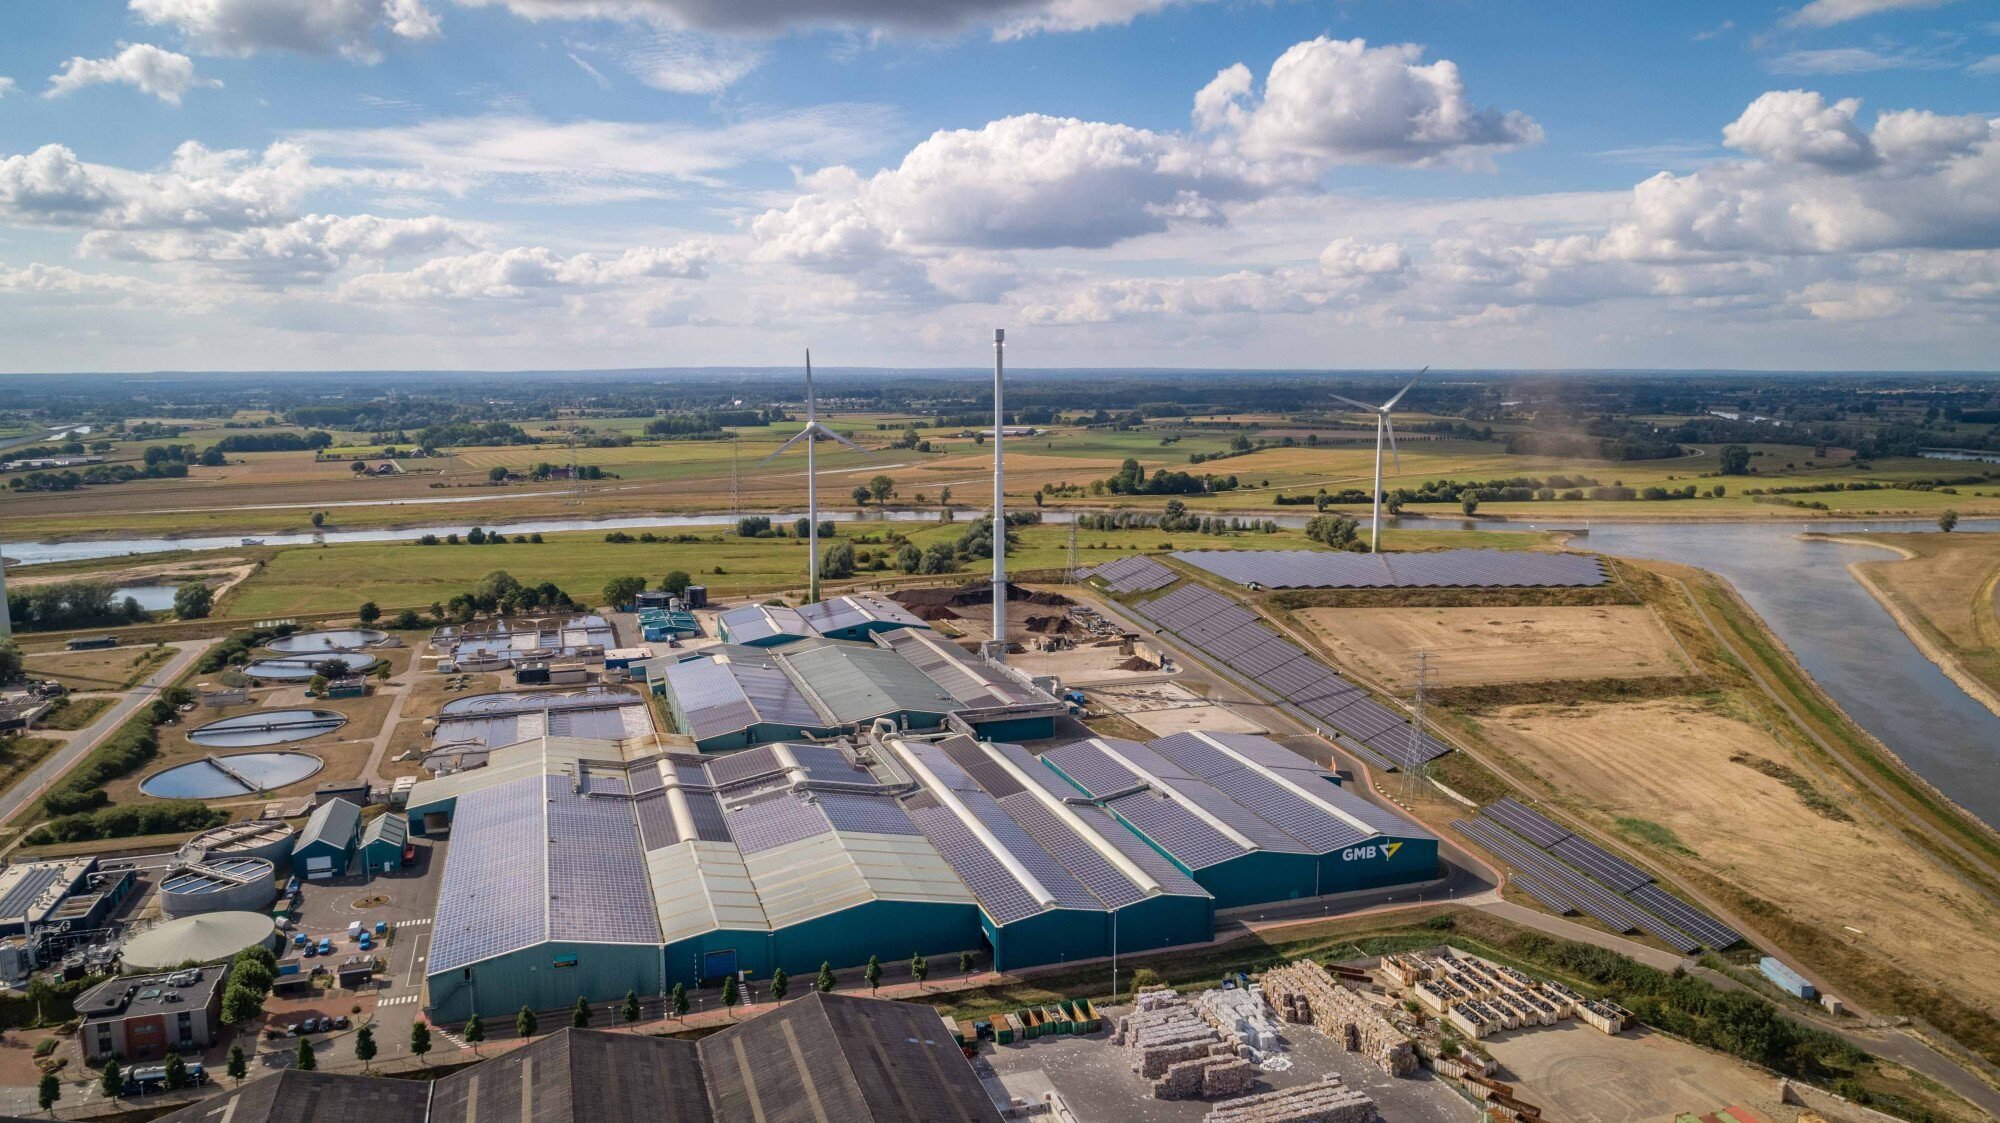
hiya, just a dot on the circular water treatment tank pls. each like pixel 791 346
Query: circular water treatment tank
pixel 218 884
pixel 333 639
pixel 218 777
pixel 268 839
pixel 270 727
pixel 208 938
pixel 302 667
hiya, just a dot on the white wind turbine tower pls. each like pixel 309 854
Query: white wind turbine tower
pixel 1383 427
pixel 812 434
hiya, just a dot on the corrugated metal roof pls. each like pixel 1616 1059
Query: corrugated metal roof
pixel 336 821
pixel 857 683
pixel 855 609
pixel 754 622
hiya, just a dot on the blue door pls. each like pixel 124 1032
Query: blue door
pixel 718 964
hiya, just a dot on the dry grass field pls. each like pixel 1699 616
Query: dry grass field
pixel 112 668
pixel 1755 814
pixel 1482 646
pixel 1946 592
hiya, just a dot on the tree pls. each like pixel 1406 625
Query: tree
pixel 525 1023
pixel 909 559
pixel 920 969
pixel 824 982
pixel 303 1058
pixel 1468 503
pixel 357 467
pixel 48 1092
pixel 861 495
pixel 629 1009
pixel 881 487
pixel 10 661
pixel 193 601
pixel 944 498
pixel 318 519
pixel 364 1046
pixel 874 973
pixel 676 581
pixel 621 591
pixel 780 983
pixel 112 1080
pixel 238 1065
pixel 420 1040
pixel 369 612
pixel 965 963
pixel 579 1015
pixel 1948 520
pixel 680 1001
pixel 475 1032
pixel 1735 460
pixel 730 994
pixel 177 1072
pixel 241 1004
pixel 837 562
pixel 497 475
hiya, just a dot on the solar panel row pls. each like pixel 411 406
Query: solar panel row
pixel 1231 635
pixel 1547 895
pixel 1617 913
pixel 1323 569
pixel 1601 864
pixel 1134 575
pixel 1526 822
pixel 1702 926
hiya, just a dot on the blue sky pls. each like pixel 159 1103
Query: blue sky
pixel 224 184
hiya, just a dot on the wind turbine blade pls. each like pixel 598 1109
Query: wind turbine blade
pixel 786 447
pixel 1352 402
pixel 830 435
pixel 1392 442
pixel 1391 403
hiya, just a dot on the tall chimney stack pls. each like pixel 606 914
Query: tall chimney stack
pixel 999 499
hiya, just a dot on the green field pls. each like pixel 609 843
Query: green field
pixel 307 579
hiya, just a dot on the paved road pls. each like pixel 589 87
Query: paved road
pixel 373 772
pixel 90 736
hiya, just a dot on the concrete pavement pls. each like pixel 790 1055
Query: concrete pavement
pixel 90 736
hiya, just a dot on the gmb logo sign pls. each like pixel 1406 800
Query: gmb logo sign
pixel 1385 852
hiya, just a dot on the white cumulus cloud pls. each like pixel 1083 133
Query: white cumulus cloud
pixel 201 187
pixel 352 28
pixel 1343 101
pixel 530 272
pixel 144 67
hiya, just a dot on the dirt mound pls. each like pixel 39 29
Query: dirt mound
pixel 973 593
pixel 1138 663
pixel 1049 623
pixel 933 612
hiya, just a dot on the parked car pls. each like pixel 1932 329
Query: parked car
pixel 310 1025
pixel 301 939
pixel 311 950
pixel 340 1021
pixel 292 1030
pixel 326 945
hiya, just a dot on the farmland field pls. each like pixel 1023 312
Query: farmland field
pixel 1480 646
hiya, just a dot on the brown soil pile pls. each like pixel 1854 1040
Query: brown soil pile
pixel 1137 663
pixel 1049 623
pixel 933 612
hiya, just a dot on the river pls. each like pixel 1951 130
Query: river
pixel 1801 588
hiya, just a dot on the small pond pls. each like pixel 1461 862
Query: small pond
pixel 335 639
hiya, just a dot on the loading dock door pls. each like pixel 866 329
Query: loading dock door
pixel 718 964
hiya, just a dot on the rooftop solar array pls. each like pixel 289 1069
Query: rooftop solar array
pixel 1137 574
pixel 839 613
pixel 754 622
pixel 1231 636
pixel 22 895
pixel 1076 867
pixel 597 884
pixel 486 898
pixel 714 698
pixel 1441 569
pixel 1571 873
pixel 1193 791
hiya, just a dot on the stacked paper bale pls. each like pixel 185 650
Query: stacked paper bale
pixel 1328 1101
pixel 1306 993
pixel 1206 1078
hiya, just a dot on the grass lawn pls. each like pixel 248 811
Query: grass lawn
pixel 70 714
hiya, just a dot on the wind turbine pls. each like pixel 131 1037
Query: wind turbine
pixel 812 434
pixel 1383 426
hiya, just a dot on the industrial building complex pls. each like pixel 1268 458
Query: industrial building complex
pixel 597 867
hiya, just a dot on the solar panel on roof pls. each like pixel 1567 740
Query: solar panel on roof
pixel 1022 847
pixel 598 887
pixel 770 823
pixel 734 768
pixel 656 820
pixel 1076 854
pixel 998 891
pixel 1175 829
pixel 868 814
pixel 1307 822
pixel 1083 763
pixel 1170 876
pixel 489 900
pixel 706 810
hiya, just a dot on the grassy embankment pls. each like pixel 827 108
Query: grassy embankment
pixel 1943 594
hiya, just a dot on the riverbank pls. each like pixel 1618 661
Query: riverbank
pixel 1913 626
